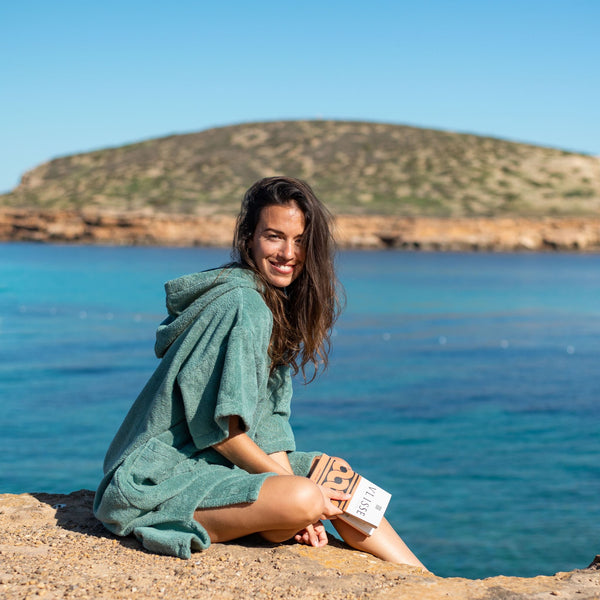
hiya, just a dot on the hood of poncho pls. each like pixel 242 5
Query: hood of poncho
pixel 189 295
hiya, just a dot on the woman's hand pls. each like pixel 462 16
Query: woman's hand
pixel 313 535
pixel 331 510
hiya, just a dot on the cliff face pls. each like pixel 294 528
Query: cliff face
pixel 423 233
pixel 52 547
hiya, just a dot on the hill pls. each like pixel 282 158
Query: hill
pixel 357 168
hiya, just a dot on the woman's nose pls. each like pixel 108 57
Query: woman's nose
pixel 287 250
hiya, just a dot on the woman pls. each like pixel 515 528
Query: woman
pixel 206 453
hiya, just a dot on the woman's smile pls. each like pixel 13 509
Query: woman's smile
pixel 284 269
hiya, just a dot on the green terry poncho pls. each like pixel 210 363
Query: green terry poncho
pixel 161 465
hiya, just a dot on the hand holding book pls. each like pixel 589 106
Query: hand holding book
pixel 333 499
pixel 367 502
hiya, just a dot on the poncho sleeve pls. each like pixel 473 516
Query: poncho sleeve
pixel 227 372
pixel 274 432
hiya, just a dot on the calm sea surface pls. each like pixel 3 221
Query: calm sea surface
pixel 468 385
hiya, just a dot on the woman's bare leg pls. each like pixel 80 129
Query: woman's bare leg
pixel 384 543
pixel 285 505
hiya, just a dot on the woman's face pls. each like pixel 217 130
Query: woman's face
pixel 277 244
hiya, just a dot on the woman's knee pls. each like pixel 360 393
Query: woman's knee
pixel 303 499
pixel 310 499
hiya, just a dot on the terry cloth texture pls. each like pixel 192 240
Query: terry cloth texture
pixel 161 465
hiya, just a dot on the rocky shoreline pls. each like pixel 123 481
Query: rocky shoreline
pixel 506 234
pixel 52 548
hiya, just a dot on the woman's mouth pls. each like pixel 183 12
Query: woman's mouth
pixel 282 268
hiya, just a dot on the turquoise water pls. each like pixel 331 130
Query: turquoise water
pixel 465 384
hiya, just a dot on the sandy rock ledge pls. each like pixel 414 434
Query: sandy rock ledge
pixel 51 547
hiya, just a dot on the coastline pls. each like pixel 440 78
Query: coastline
pixel 52 547
pixel 147 228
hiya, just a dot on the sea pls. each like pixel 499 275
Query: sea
pixel 467 385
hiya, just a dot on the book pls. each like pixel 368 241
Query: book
pixel 368 502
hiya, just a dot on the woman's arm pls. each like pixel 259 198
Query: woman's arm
pixel 283 460
pixel 246 454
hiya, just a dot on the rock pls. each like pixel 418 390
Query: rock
pixel 52 547
pixel 368 232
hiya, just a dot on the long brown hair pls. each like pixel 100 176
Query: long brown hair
pixel 305 311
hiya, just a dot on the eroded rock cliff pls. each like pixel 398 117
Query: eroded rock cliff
pixel 412 233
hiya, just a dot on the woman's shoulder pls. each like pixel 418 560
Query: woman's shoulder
pixel 241 303
pixel 240 284
pixel 228 295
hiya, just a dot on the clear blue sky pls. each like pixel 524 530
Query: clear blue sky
pixel 79 75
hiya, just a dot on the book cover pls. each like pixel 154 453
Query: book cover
pixel 368 502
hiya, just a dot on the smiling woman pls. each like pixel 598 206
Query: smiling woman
pixel 206 453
